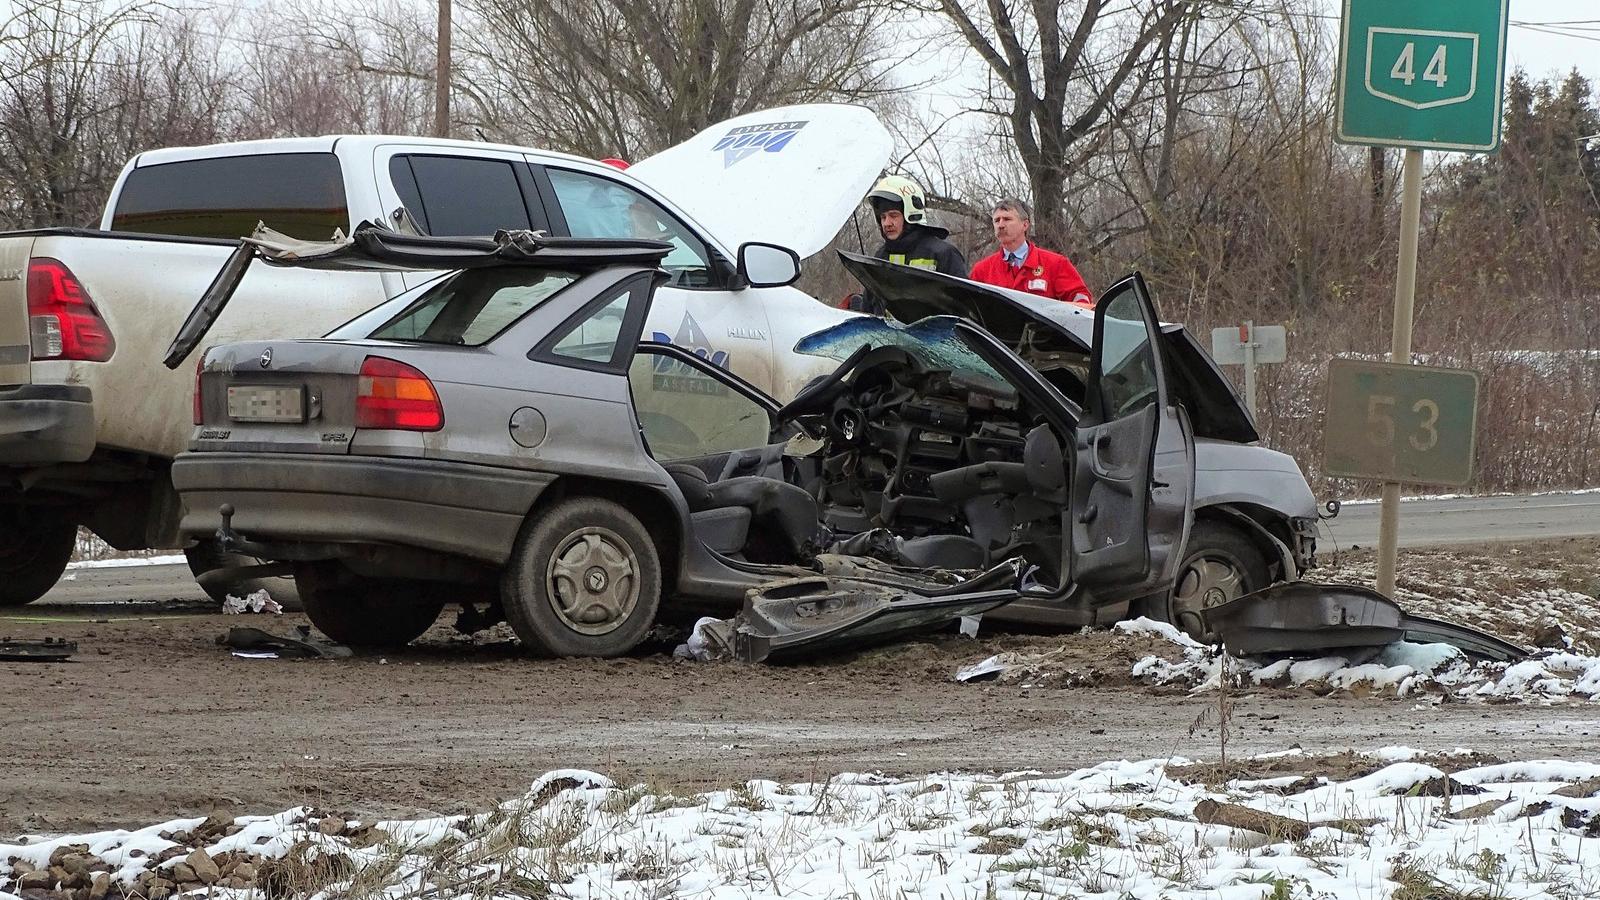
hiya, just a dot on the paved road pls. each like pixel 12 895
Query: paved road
pixel 1423 523
pixel 1471 520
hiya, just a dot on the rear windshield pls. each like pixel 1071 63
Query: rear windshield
pixel 471 307
pixel 299 194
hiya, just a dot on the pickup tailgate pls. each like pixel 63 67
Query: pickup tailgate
pixel 14 347
pixel 144 286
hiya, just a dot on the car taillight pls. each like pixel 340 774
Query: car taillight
pixel 395 395
pixel 62 320
pixel 199 408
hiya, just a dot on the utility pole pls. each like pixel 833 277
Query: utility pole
pixel 441 78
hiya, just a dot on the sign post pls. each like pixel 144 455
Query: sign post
pixel 1424 74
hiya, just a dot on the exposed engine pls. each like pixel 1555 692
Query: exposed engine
pixel 925 452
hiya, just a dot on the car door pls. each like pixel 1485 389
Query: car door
pixel 1132 487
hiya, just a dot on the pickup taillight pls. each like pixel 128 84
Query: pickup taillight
pixel 199 407
pixel 394 395
pixel 62 321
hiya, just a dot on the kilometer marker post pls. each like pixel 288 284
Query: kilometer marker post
pixel 1421 75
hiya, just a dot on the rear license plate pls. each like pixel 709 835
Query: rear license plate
pixel 267 404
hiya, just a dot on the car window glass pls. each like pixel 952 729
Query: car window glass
pixel 472 307
pixel 465 196
pixel 686 412
pixel 594 337
pixel 599 207
pixel 299 194
pixel 1127 361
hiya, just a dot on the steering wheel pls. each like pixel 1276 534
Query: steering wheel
pixel 823 390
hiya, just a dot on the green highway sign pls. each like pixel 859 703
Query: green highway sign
pixel 1426 74
pixel 1400 423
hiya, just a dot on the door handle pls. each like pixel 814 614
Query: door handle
pixel 1089 515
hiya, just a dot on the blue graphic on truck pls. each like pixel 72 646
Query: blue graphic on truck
pixel 747 140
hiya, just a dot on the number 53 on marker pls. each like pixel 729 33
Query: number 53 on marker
pixel 1389 422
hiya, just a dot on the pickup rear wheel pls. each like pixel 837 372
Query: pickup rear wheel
pixel 584 580
pixel 33 553
pixel 364 612
pixel 1220 563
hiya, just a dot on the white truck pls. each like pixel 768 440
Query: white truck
pixel 90 419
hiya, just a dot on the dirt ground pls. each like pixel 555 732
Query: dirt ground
pixel 154 720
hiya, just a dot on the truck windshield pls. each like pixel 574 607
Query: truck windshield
pixel 470 308
pixel 299 194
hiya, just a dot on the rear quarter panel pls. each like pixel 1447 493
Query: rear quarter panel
pixel 145 288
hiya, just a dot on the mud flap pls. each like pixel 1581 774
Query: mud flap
pixel 798 617
pixel 1308 617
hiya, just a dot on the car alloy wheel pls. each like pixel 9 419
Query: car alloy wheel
pixel 583 580
pixel 1220 565
pixel 593 581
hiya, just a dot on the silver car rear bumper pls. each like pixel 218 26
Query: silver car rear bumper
pixel 453 508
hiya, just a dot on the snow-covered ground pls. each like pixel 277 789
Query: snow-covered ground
pixel 1390 823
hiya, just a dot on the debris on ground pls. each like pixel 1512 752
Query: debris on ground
pixel 1347 825
pixel 1405 669
pixel 43 650
pixel 253 643
pixel 254 602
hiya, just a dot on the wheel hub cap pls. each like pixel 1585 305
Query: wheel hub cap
pixel 593 581
pixel 1208 582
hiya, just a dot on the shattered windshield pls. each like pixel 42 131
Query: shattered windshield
pixel 932 341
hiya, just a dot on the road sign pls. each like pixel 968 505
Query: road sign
pixel 1228 344
pixel 1395 422
pixel 1250 345
pixel 1422 73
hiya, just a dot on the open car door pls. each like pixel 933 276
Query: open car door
pixel 1133 472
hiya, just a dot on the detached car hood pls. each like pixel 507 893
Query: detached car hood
pixel 790 176
pixel 911 294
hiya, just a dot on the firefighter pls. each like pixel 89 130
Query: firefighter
pixel 909 238
pixel 1023 266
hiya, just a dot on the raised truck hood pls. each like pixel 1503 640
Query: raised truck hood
pixel 911 294
pixel 790 176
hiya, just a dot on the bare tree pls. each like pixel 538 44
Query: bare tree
pixel 55 59
pixel 629 77
pixel 1064 70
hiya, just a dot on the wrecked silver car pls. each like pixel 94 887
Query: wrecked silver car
pixel 501 438
pixel 1255 516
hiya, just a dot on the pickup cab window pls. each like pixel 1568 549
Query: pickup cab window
pixel 299 194
pixel 458 195
pixel 602 208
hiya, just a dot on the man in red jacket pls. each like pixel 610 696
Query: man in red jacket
pixel 1021 266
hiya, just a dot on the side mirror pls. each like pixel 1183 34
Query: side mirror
pixel 768 265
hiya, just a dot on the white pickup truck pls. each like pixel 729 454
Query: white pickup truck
pixel 90 419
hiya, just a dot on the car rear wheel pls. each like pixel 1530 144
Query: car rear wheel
pixel 1220 564
pixel 584 580
pixel 34 551
pixel 364 612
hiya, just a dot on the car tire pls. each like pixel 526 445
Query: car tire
pixel 33 553
pixel 363 612
pixel 1220 563
pixel 208 556
pixel 584 580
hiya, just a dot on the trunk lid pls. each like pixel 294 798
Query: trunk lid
pixel 790 176
pixel 16 350
pixel 281 396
